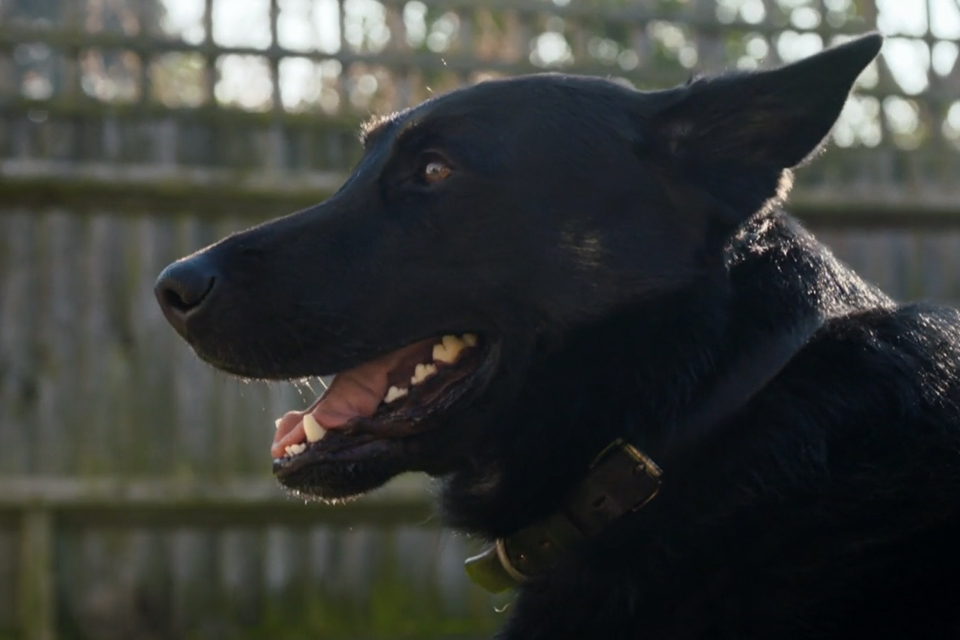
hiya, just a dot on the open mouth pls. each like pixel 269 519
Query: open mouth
pixel 390 397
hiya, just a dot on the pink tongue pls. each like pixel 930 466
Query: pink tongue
pixel 358 392
pixel 352 394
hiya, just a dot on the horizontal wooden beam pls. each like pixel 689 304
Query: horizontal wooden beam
pixel 636 15
pixel 878 206
pixel 423 61
pixel 71 108
pixel 138 189
pixel 104 502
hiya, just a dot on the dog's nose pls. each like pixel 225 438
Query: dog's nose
pixel 182 288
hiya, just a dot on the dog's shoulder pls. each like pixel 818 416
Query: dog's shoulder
pixel 877 389
pixel 915 346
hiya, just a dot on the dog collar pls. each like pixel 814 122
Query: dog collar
pixel 620 480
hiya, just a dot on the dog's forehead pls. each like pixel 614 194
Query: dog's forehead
pixel 519 96
pixel 510 101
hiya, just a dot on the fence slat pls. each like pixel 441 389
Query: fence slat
pixel 37 571
pixel 58 326
pixel 18 366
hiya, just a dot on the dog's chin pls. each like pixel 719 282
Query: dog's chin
pixel 330 479
pixel 403 433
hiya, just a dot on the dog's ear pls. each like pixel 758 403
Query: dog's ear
pixel 736 134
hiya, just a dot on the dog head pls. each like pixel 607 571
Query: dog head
pixel 480 232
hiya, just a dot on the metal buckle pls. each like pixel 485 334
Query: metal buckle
pixel 509 567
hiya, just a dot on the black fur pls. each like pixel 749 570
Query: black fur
pixel 626 255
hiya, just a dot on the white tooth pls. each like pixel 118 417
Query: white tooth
pixel 313 429
pixel 470 339
pixel 295 449
pixel 277 423
pixel 448 350
pixel 452 341
pixel 393 393
pixel 422 372
pixel 440 354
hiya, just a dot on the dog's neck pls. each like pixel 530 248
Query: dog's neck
pixel 663 375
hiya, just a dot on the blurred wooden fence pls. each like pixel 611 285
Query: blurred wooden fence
pixel 135 497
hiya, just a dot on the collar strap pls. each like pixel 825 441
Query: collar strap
pixel 620 480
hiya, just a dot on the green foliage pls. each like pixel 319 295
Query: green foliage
pixel 393 610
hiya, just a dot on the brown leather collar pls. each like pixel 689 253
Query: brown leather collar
pixel 620 480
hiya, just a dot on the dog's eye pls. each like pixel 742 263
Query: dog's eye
pixel 436 170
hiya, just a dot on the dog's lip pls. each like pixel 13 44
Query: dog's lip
pixel 355 402
pixel 349 449
pixel 363 438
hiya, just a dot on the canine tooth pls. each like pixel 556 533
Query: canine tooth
pixel 277 422
pixel 295 449
pixel 448 350
pixel 393 393
pixel 470 339
pixel 452 341
pixel 422 372
pixel 313 429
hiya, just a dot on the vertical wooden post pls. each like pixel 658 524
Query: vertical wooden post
pixel 209 53
pixel 710 54
pixel 277 149
pixel 37 589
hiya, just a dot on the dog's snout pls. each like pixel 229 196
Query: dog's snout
pixel 182 288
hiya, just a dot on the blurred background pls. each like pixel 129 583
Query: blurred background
pixel 136 499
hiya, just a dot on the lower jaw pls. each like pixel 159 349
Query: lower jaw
pixel 350 473
pixel 363 469
pixel 351 462
pixel 361 458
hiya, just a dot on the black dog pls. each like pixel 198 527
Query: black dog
pixel 523 273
